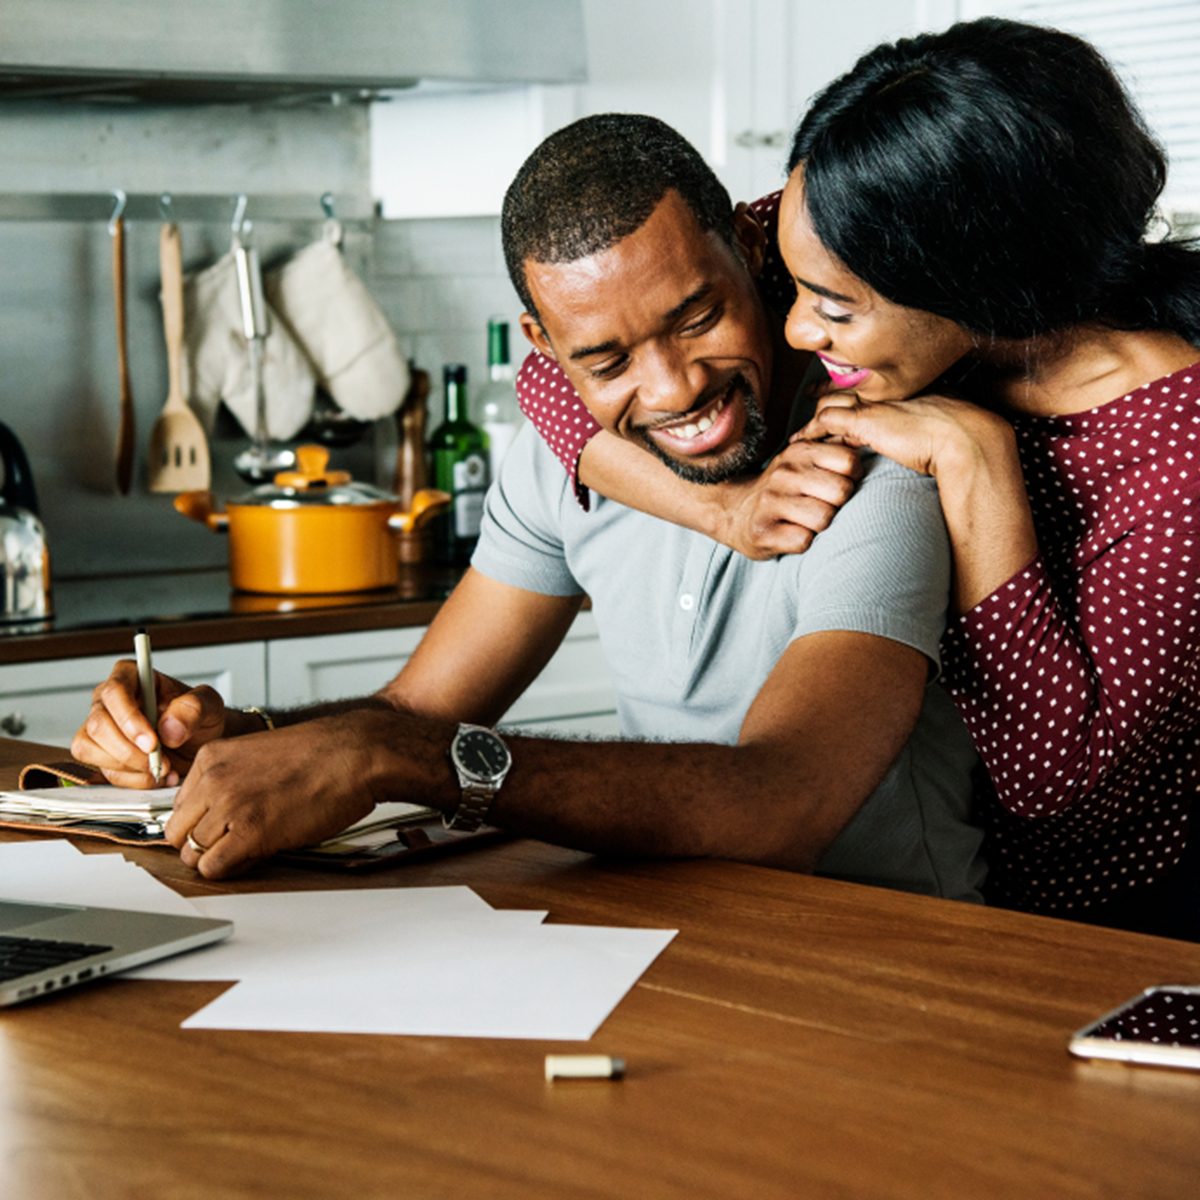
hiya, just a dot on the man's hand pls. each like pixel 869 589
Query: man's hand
pixel 784 508
pixel 250 797
pixel 117 738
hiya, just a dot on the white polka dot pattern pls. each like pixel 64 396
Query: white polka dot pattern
pixel 1079 678
pixel 552 404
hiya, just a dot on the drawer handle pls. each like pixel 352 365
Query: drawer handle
pixel 13 724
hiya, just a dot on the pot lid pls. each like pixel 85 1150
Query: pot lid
pixel 312 483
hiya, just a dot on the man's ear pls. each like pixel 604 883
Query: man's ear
pixel 749 238
pixel 536 335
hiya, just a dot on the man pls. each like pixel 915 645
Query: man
pixel 782 706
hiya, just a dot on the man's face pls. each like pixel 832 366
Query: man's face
pixel 665 339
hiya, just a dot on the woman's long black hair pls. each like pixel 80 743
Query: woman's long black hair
pixel 998 175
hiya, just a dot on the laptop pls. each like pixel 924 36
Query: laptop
pixel 47 947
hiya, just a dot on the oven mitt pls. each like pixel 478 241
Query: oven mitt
pixel 345 334
pixel 220 358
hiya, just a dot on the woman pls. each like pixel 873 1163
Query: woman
pixel 965 217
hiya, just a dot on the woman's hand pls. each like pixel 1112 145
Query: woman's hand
pixel 933 435
pixel 784 508
pixel 972 453
pixel 117 739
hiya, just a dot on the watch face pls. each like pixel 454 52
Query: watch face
pixel 481 754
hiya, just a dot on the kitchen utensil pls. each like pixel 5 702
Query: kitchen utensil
pixel 313 530
pixel 263 458
pixel 24 553
pixel 412 466
pixel 125 421
pixel 178 447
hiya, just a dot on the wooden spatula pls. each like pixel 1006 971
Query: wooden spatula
pixel 178 447
pixel 125 426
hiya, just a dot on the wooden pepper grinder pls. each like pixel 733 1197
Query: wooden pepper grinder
pixel 412 464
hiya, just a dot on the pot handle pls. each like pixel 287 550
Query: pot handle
pixel 426 504
pixel 199 506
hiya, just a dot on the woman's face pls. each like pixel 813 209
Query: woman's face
pixel 877 349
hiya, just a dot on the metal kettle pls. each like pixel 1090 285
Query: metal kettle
pixel 24 553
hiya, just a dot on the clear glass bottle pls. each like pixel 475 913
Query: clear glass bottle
pixel 458 451
pixel 499 415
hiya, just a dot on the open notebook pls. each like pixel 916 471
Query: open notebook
pixel 74 803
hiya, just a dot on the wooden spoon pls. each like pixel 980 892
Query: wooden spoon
pixel 179 459
pixel 125 420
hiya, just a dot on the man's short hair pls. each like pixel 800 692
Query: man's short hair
pixel 596 181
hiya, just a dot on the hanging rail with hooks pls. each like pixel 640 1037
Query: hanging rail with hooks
pixel 183 206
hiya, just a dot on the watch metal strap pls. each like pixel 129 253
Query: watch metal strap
pixel 473 806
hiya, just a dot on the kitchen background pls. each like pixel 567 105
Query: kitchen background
pixel 416 176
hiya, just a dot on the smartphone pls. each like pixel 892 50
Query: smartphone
pixel 1160 1027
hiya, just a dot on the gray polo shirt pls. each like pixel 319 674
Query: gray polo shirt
pixel 691 630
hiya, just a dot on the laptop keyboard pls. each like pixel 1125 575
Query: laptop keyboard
pixel 26 956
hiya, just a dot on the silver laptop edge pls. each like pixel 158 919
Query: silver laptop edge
pixel 131 938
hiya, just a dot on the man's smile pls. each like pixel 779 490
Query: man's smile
pixel 700 431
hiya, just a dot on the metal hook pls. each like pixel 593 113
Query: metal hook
pixel 327 205
pixel 118 210
pixel 238 224
pixel 166 208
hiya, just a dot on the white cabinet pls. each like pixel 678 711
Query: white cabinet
pixel 47 701
pixel 733 76
pixel 572 695
pixel 771 57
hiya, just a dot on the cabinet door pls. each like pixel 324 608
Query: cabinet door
pixel 571 695
pixel 47 701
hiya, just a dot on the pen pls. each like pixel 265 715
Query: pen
pixel 141 646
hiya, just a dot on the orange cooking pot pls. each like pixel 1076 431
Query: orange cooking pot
pixel 313 530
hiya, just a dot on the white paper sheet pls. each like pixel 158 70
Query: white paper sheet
pixel 472 978
pixel 270 927
pixel 435 961
pixel 54 872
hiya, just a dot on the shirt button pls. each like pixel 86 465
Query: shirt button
pixel 687 601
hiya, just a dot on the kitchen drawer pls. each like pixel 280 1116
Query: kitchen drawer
pixel 571 695
pixel 47 701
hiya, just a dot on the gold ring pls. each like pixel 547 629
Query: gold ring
pixel 192 844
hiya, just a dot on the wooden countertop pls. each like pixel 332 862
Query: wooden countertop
pixel 800 1037
pixel 197 608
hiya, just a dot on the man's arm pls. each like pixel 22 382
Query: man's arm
pixel 525 629
pixel 487 644
pixel 817 740
pixel 778 511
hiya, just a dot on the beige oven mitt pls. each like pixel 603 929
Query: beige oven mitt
pixel 220 358
pixel 348 339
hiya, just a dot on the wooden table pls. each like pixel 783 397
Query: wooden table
pixel 799 1038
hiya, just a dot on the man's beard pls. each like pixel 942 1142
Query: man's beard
pixel 743 459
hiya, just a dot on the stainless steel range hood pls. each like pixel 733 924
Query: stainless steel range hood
pixel 239 50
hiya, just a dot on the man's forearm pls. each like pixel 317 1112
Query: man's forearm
pixel 281 717
pixel 757 803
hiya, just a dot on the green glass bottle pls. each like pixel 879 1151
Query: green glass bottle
pixel 460 466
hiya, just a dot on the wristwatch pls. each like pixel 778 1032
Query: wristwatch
pixel 481 760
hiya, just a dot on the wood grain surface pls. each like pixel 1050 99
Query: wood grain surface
pixel 801 1037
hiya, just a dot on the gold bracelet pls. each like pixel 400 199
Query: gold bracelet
pixel 253 709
